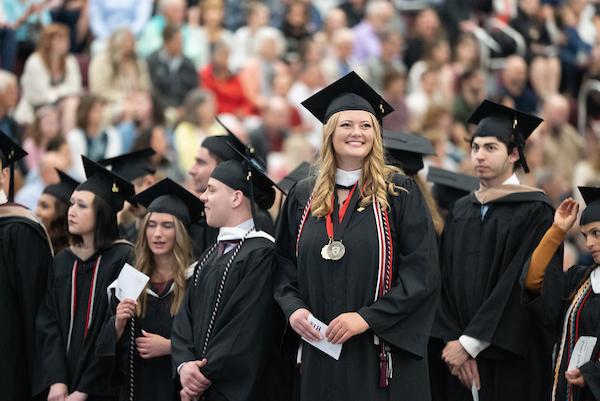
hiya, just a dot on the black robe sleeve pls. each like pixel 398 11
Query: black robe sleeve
pixel 182 334
pixel 286 290
pixel 492 322
pixel 235 347
pixel 52 364
pixel 406 312
pixel 591 375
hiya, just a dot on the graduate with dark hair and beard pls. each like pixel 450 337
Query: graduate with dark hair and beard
pixel 226 337
pixel 494 347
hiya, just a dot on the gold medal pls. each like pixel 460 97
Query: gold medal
pixel 336 250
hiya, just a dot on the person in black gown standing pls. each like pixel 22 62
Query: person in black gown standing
pixel 72 316
pixel 361 257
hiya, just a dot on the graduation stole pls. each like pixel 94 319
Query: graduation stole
pixel 384 275
pixel 90 303
pixel 570 334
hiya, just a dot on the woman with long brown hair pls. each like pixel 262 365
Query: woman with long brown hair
pixel 362 259
pixel 51 76
pixel 140 332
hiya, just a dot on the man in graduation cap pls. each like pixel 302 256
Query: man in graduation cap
pixel 136 168
pixel 25 254
pixel 213 151
pixel 492 345
pixel 226 336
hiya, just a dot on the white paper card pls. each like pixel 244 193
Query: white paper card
pixel 582 353
pixel 333 350
pixel 474 392
pixel 130 283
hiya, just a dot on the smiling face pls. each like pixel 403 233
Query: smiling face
pixel 591 233
pixel 160 233
pixel 353 138
pixel 81 215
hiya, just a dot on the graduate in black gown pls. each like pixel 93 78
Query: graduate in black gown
pixel 361 257
pixel 212 151
pixel 226 337
pixel 25 255
pixel 449 186
pixel 52 209
pixel 76 306
pixel 493 345
pixel 136 168
pixel 164 253
pixel 570 301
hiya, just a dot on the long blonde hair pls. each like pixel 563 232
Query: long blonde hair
pixel 375 178
pixel 144 262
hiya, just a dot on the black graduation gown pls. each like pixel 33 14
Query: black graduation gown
pixel 402 317
pixel 79 367
pixel 243 349
pixel 25 258
pixel 152 378
pixel 129 232
pixel 558 289
pixel 481 263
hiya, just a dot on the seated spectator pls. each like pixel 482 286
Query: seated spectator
pixel 419 101
pixel 466 55
pixel 173 75
pixel 513 85
pixel 116 73
pixel 394 90
pixel 426 28
pixel 211 29
pixel 574 51
pixel 45 128
pixel 106 17
pixel 51 75
pixel 471 92
pixel 340 59
pixel 244 39
pixel 73 14
pixel 172 12
pixel 225 85
pixel 532 23
pixel 378 15
pixel 258 72
pixel 9 95
pixel 334 21
pixel 354 10
pixel 392 47
pixel 310 80
pixel 562 144
pixel 273 130
pixel 45 175
pixel 295 26
pixel 92 137
pixel 198 122
pixel 435 56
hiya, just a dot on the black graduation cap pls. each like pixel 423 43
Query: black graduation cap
pixel 407 150
pixel 131 165
pixel 511 125
pixel 350 92
pixel 450 186
pixel 591 196
pixel 167 196
pixel 112 188
pixel 300 172
pixel 64 188
pixel 254 184
pixel 10 152
pixel 218 146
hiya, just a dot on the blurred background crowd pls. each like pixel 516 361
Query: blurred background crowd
pixel 105 77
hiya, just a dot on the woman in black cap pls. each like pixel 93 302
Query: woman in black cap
pixel 71 318
pixel 363 256
pixel 52 208
pixel 571 300
pixel 140 332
